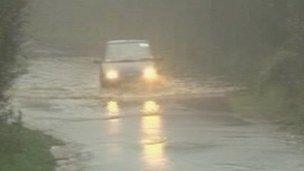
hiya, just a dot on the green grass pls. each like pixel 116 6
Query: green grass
pixel 274 103
pixel 23 149
pixel 271 101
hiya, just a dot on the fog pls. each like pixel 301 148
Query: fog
pixel 254 44
pixel 232 79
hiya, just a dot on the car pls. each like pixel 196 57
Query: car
pixel 128 61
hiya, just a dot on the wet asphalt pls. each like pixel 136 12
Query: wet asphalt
pixel 184 125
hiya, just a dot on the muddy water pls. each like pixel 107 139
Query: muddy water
pixel 132 128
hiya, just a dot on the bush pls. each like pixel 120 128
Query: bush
pixel 23 149
pixel 10 25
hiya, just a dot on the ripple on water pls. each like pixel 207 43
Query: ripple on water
pixel 77 78
pixel 171 88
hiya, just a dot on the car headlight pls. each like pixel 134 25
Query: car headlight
pixel 150 73
pixel 112 75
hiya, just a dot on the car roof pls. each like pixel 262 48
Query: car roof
pixel 127 41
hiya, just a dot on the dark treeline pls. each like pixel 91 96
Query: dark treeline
pixel 10 25
pixel 20 148
pixel 257 44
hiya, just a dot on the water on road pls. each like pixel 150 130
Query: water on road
pixel 182 125
pixel 179 126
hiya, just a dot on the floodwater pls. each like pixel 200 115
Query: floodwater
pixel 181 125
pixel 175 127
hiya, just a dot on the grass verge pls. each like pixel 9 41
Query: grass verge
pixel 23 149
pixel 274 105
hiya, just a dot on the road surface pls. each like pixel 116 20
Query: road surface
pixel 182 126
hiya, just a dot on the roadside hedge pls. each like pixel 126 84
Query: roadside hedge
pixel 10 27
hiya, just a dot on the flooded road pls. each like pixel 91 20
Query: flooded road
pixel 176 127
pixel 182 125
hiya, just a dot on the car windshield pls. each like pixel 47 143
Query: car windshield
pixel 127 51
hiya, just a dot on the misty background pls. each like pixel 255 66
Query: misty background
pixel 256 45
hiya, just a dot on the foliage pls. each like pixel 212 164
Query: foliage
pixel 23 149
pixel 20 148
pixel 10 25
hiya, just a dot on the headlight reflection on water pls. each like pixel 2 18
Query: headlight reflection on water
pixel 150 108
pixel 113 108
pixel 113 113
pixel 152 137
